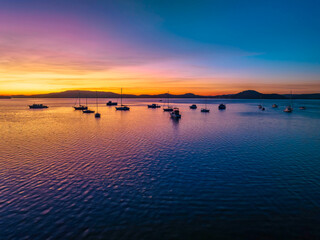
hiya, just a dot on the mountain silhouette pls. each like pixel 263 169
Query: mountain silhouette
pixel 247 94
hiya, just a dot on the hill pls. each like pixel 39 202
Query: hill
pixel 92 94
pixel 251 94
pixel 248 94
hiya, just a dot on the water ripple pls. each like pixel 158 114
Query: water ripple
pixel 140 175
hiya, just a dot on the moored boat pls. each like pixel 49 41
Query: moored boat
pixel 302 108
pixel 79 106
pixel 37 106
pixel 205 110
pixel 97 115
pixel 110 103
pixel 288 109
pixel 153 105
pixel 168 108
pixel 122 107
pixel 274 105
pixel 193 106
pixel 175 113
pixel 222 107
pixel 88 111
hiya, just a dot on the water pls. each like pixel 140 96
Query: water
pixel 234 174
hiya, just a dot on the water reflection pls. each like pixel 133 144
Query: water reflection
pixel 175 123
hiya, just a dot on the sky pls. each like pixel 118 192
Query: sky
pixel 154 46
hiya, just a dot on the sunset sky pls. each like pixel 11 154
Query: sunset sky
pixel 204 47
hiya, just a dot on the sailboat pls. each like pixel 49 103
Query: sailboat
pixel 289 108
pixel 97 115
pixel 205 108
pixel 260 105
pixel 122 107
pixel 79 107
pixel 168 108
pixel 87 110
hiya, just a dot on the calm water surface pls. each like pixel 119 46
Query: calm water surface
pixel 234 174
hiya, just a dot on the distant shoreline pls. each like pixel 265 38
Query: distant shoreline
pixel 248 94
pixel 293 98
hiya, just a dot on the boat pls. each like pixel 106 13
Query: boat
pixel 274 105
pixel 193 106
pixel 302 108
pixel 205 109
pixel 261 107
pixel 37 106
pixel 222 107
pixel 289 108
pixel 153 105
pixel 88 111
pixel 175 113
pixel 122 107
pixel 97 115
pixel 168 108
pixel 110 103
pixel 79 107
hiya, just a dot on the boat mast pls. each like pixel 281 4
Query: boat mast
pixel 97 100
pixel 121 96
pixel 79 98
pixel 168 98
